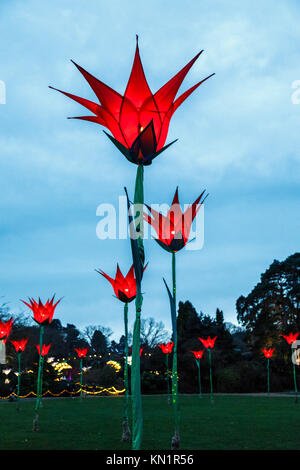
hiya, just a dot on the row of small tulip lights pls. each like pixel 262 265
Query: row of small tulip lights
pixel 43 314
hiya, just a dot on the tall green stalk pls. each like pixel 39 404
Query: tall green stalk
pixel 199 376
pixel 19 374
pixel 174 368
pixel 167 376
pixel 210 374
pixel 126 381
pixel 268 374
pixel 81 374
pixel 295 383
pixel 138 257
pixel 39 380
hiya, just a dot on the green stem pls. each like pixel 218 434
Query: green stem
pixel 167 375
pixel 19 374
pixel 126 381
pixel 137 410
pixel 210 373
pixel 268 373
pixel 174 368
pixel 295 382
pixel 39 385
pixel 81 377
pixel 199 377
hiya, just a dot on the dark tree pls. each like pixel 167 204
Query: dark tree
pixel 272 307
pixel 99 343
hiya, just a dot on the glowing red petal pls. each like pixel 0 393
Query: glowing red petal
pixel 90 105
pixel 137 90
pixel 109 98
pixel 187 93
pixel 165 96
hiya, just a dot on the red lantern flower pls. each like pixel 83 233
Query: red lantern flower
pixel 139 121
pixel 173 230
pixel 268 352
pixel 42 313
pixel 124 287
pixel 198 354
pixel 5 328
pixel 166 348
pixel 81 352
pixel 45 349
pixel 209 342
pixel 20 345
pixel 291 338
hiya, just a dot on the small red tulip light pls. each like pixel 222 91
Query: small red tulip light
pixel 20 345
pixel 124 287
pixel 45 349
pixel 5 328
pixel 198 354
pixel 268 352
pixel 291 338
pixel 209 342
pixel 139 121
pixel 166 348
pixel 42 313
pixel 81 352
pixel 173 230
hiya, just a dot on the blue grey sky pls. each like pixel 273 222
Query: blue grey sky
pixel 238 139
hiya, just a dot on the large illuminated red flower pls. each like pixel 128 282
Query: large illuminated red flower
pixel 198 354
pixel 81 351
pixel 124 287
pixel 42 313
pixel 139 121
pixel 45 349
pixel 5 328
pixel 291 338
pixel 268 352
pixel 166 348
pixel 209 342
pixel 173 230
pixel 20 345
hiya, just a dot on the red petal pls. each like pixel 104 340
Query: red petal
pixel 137 90
pixel 109 98
pixel 165 96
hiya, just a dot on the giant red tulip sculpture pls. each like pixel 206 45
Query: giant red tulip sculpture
pixel 81 352
pixel 139 122
pixel 209 344
pixel 291 338
pixel 167 349
pixel 268 353
pixel 198 356
pixel 125 289
pixel 173 231
pixel 42 315
pixel 19 347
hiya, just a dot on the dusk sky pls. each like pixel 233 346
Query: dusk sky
pixel 238 138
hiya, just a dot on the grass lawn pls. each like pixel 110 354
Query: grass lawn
pixel 232 423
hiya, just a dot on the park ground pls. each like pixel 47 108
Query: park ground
pixel 231 423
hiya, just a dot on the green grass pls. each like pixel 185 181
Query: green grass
pixel 232 423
